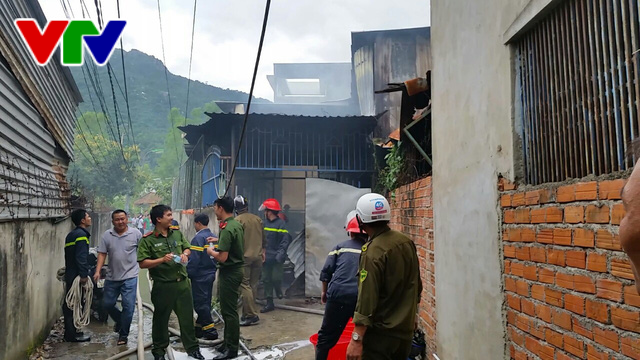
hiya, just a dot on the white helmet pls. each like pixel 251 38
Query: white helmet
pixel 372 208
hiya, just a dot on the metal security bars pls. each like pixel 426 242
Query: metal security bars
pixel 578 86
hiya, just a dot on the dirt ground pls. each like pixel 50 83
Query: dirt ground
pixel 281 334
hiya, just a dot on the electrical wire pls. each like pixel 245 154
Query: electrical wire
pixel 193 32
pixel 253 83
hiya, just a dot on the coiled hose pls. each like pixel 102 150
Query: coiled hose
pixel 78 291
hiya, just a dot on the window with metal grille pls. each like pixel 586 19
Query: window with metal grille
pixel 577 83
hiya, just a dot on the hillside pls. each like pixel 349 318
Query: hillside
pixel 148 96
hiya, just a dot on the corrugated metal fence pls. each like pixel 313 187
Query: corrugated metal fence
pixel 578 85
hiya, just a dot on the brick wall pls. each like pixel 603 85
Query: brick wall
pixel 412 214
pixel 568 286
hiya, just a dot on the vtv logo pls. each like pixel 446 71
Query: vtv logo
pixel 42 44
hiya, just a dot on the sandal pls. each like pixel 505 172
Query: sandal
pixel 122 341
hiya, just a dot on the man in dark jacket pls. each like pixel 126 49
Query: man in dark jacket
pixel 340 287
pixel 76 250
pixel 277 241
pixel 202 272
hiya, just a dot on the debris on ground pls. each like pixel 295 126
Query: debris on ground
pixel 56 335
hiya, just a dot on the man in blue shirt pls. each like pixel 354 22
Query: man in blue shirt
pixel 202 272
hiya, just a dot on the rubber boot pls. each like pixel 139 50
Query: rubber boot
pixel 269 307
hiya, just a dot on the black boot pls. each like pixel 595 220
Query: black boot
pixel 77 338
pixel 269 307
pixel 159 357
pixel 250 320
pixel 196 354
pixel 211 334
pixel 226 355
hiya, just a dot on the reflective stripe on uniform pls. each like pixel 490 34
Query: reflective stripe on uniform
pixel 84 238
pixel 276 230
pixel 210 326
pixel 199 248
pixel 345 250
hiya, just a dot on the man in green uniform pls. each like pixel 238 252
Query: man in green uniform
pixel 164 252
pixel 389 288
pixel 230 258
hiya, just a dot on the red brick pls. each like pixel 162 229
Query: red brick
pixel 518 200
pixel 546 352
pixel 522 288
pixel 545 236
pixel 597 311
pixel 574 346
pixel 562 237
pixel 523 253
pixel 627 320
pixel 511 317
pixel 517 269
pixel 577 259
pixel 553 297
pixel 562 319
pixel 532 344
pixel 523 216
pixel 554 338
pixel 631 347
pixel 513 301
pixel 564 280
pixel 607 240
pixel 543 312
pixel 538 216
pixel 587 191
pixel 507 266
pixel 528 307
pixel 537 292
pixel 509 251
pixel 549 215
pixel 532 197
pixel 606 338
pixel 505 200
pixel 621 267
pixel 538 254
pixel 516 337
pixel 563 356
pixel 595 354
pixel 574 214
pixel 597 214
pixel 510 216
pixel 547 195
pixel 566 194
pixel 546 276
pixel 527 235
pixel 555 257
pixel 511 234
pixel 531 272
pixel 574 303
pixel 536 330
pixel 611 190
pixel 522 322
pixel 510 284
pixel 631 296
pixel 582 329
pixel 584 284
pixel 609 289
pixel 583 237
pixel 597 262
pixel 617 213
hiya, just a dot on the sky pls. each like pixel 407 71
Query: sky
pixel 227 32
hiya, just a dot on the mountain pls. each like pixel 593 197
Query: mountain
pixel 148 95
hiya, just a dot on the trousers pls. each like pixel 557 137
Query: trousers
pixel 249 286
pixel 126 289
pixel 167 297
pixel 272 276
pixel 336 315
pixel 202 290
pixel 378 346
pixel 230 279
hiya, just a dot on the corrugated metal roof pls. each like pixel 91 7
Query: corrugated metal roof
pixel 50 88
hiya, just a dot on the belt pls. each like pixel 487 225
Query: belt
pixel 172 281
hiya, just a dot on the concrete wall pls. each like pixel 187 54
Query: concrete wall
pixel 472 144
pixel 31 252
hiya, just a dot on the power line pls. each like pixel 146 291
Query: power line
pixel 166 77
pixel 253 83
pixel 193 32
pixel 126 91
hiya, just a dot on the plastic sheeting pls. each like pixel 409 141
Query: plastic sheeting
pixel 328 203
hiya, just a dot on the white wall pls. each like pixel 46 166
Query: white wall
pixel 473 143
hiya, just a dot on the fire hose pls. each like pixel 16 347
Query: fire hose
pixel 78 291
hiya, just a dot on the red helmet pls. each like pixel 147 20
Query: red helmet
pixel 354 227
pixel 270 204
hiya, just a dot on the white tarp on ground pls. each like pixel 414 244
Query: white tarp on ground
pixel 328 203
